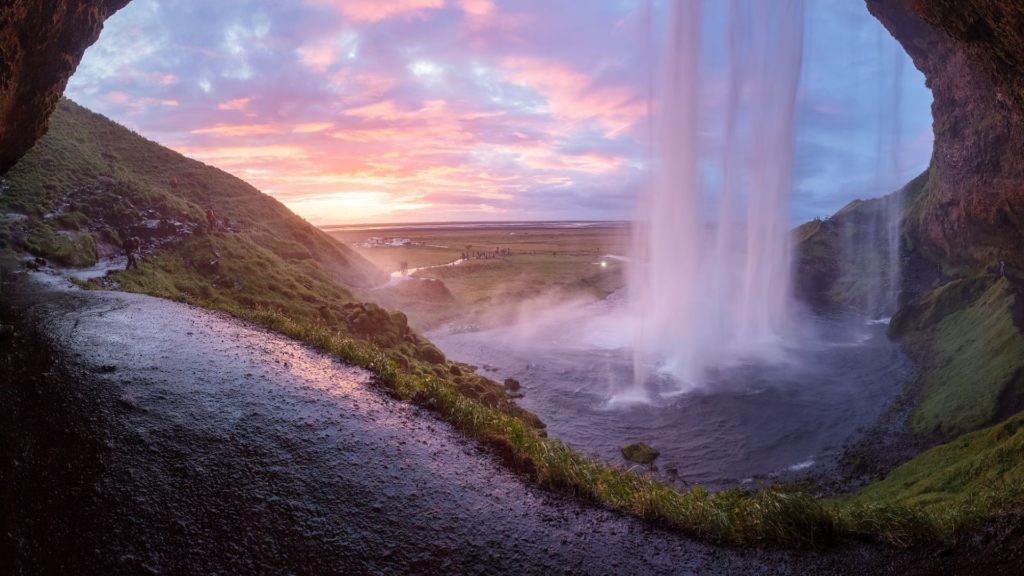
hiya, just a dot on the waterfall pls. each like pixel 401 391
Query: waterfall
pixel 708 293
pixel 871 232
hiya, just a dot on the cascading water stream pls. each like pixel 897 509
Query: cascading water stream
pixel 871 236
pixel 703 297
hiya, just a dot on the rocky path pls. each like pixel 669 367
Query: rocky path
pixel 159 438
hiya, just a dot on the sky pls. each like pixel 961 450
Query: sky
pixel 434 110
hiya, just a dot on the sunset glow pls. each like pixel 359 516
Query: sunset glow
pixel 403 110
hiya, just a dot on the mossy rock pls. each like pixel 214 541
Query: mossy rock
pixel 640 453
pixel 512 385
pixel 430 353
pixel 402 361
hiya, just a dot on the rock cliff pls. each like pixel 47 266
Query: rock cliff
pixel 41 44
pixel 971 211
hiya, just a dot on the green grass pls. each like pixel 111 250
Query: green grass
pixel 483 283
pixel 590 240
pixel 495 290
pixel 66 247
pixel 959 483
pixel 534 262
pixel 389 258
pixel 971 353
pixel 772 515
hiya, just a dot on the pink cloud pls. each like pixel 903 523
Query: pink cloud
pixel 478 8
pixel 238 130
pixel 137 105
pixel 572 95
pixel 335 121
pixel 236 104
pixel 312 127
pixel 318 56
pixel 378 10
pixel 117 97
pixel 362 86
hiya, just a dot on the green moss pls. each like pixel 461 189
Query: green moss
pixel 971 353
pixel 62 247
pixel 640 453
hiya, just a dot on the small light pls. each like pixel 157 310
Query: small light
pixel 604 264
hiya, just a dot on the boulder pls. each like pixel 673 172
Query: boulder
pixel 640 453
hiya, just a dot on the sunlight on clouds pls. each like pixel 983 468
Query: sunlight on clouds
pixel 407 109
pixel 238 130
pixel 137 105
pixel 378 10
pixel 426 70
pixel 353 206
pixel 243 155
pixel 572 96
pixel 477 7
pixel 236 104
pixel 312 127
pixel 321 55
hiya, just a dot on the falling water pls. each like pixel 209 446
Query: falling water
pixel 871 234
pixel 889 175
pixel 710 296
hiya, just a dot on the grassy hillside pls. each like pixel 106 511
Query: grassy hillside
pixel 978 474
pixel 89 182
pixel 956 323
pixel 964 337
pixel 837 258
pixel 91 177
pixel 971 353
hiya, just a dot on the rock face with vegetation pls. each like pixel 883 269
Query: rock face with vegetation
pixel 839 258
pixel 971 209
pixel 959 316
pixel 966 336
pixel 41 43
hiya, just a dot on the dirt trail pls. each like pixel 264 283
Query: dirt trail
pixel 165 439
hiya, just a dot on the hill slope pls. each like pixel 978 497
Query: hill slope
pixel 89 184
pixel 90 174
